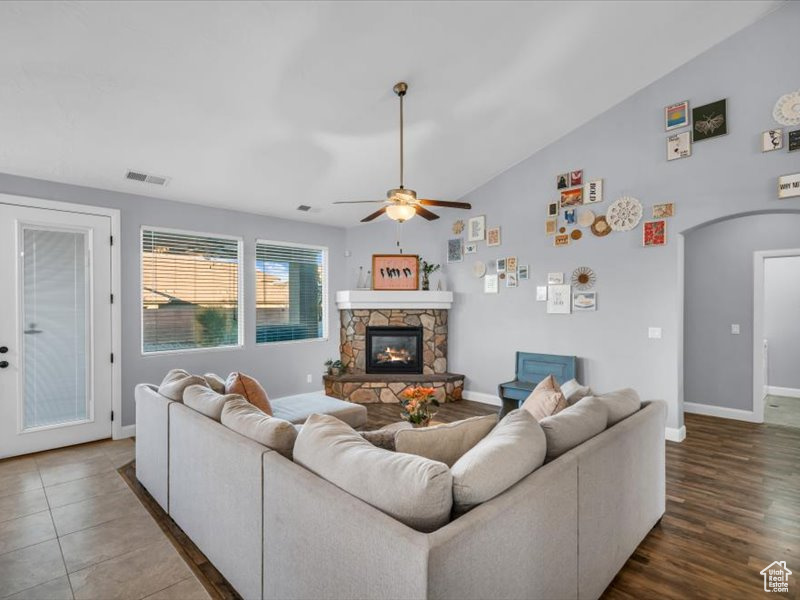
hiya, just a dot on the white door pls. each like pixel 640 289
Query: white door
pixel 55 329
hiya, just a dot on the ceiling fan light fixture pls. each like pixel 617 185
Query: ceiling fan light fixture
pixel 400 212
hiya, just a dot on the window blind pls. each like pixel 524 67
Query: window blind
pixel 190 291
pixel 291 290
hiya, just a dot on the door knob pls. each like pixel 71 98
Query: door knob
pixel 3 364
pixel 3 349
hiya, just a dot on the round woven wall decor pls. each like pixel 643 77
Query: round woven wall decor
pixel 624 213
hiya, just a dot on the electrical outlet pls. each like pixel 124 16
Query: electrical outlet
pixel 735 329
pixel 308 378
pixel 654 333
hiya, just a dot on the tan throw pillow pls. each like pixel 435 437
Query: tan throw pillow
pixel 176 381
pixel 414 490
pixel 574 391
pixel 546 399
pixel 445 443
pixel 215 382
pixel 573 426
pixel 620 404
pixel 511 451
pixel 206 401
pixel 249 389
pixel 242 417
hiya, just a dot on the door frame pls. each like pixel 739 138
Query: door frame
pixel 759 384
pixel 117 430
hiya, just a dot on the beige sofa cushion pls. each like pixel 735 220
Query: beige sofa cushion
pixel 574 391
pixel 249 388
pixel 215 382
pixel 512 450
pixel 242 417
pixel 206 401
pixel 412 489
pixel 573 426
pixel 546 399
pixel 445 443
pixel 620 404
pixel 176 381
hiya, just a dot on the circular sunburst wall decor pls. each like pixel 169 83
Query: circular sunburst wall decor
pixel 624 213
pixel 787 109
pixel 583 278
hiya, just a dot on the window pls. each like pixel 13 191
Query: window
pixel 190 291
pixel 291 292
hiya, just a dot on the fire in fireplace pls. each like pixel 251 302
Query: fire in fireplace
pixel 394 350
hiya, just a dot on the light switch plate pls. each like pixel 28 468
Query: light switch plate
pixel 654 333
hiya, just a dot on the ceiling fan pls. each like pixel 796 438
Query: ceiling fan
pixel 402 203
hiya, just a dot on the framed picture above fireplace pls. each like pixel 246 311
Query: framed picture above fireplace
pixel 395 272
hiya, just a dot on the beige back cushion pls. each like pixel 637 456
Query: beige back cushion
pixel 249 388
pixel 512 450
pixel 242 417
pixel 215 382
pixel 546 399
pixel 444 443
pixel 176 381
pixel 620 404
pixel 574 391
pixel 573 426
pixel 414 490
pixel 206 401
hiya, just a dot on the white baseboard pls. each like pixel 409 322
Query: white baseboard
pixel 127 431
pixel 482 397
pixel 675 434
pixel 774 390
pixel 720 411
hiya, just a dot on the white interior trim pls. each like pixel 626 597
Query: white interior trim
pixel 491 399
pixel 126 431
pixel 675 435
pixel 116 314
pixel 722 412
pixel 774 390
pixel 759 381
pixel 371 299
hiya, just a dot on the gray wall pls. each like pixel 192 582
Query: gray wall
pixel 782 319
pixel 718 365
pixel 281 368
pixel 637 287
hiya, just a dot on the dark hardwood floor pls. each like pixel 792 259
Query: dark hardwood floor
pixel 379 415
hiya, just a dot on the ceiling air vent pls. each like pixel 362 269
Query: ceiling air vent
pixel 304 208
pixel 146 178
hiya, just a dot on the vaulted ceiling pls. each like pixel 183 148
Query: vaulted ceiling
pixel 262 106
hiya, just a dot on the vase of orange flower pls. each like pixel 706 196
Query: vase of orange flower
pixel 417 403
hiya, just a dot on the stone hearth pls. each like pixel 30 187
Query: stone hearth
pixel 367 388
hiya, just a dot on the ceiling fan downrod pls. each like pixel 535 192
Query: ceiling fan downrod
pixel 400 89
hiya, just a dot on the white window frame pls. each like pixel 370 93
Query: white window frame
pixel 240 292
pixel 325 299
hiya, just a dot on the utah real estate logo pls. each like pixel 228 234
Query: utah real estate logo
pixel 776 577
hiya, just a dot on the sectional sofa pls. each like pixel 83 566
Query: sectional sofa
pixel 275 529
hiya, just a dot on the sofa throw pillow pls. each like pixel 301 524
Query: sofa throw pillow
pixel 176 381
pixel 513 449
pixel 242 417
pixel 620 404
pixel 249 389
pixel 546 399
pixel 573 426
pixel 215 382
pixel 574 391
pixel 447 442
pixel 414 490
pixel 206 401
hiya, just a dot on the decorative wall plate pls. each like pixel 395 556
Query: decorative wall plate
pixel 479 269
pixel 583 278
pixel 586 218
pixel 576 234
pixel 600 227
pixel 787 109
pixel 624 213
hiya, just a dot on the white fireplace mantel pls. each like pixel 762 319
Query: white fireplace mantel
pixel 372 300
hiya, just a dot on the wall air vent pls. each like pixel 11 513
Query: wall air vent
pixel 304 208
pixel 146 178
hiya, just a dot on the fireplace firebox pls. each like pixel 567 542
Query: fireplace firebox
pixel 394 350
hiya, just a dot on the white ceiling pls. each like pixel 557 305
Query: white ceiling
pixel 264 106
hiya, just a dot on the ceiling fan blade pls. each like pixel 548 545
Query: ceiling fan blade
pixel 374 215
pixel 445 203
pixel 426 214
pixel 359 201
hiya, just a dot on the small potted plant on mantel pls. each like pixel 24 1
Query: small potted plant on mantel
pixel 416 405
pixel 426 269
pixel 335 367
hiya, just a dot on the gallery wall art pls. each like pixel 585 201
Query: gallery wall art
pixel 476 229
pixel 794 140
pixel 559 299
pixel 679 146
pixel 710 120
pixel 395 272
pixel 493 236
pixel 662 211
pixel 624 213
pixel 772 139
pixel 789 186
pixel 593 191
pixel 787 109
pixel 455 250
pixel 584 301
pixel 676 115
pixel 654 233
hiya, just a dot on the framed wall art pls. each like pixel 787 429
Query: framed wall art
pixel 794 140
pixel 541 293
pixel 523 271
pixel 511 264
pixel 570 216
pixel 455 250
pixel 562 181
pixel 471 248
pixel 511 280
pixel 562 239
pixel 584 301
pixel 679 146
pixel 501 265
pixel 552 209
pixel 576 177
pixel 395 272
pixel 559 299
pixel 555 278
pixel 710 120
pixel 550 226
pixel 676 115
pixel 573 197
pixel 662 211
pixel 476 229
pixel 772 139
pixel 490 284
pixel 493 236
pixel 789 186
pixel 654 233
pixel 593 191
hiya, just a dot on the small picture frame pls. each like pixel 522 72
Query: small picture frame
pixel 395 272
pixel 511 264
pixel 555 278
pixel 501 265
pixel 576 177
pixel 573 197
pixel 570 216
pixel 662 211
pixel 471 248
pixel 710 120
pixel 476 229
pixel 679 146
pixel 491 284
pixel 771 139
pixel 552 209
pixel 789 186
pixel 523 271
pixel 493 236
pixel 455 250
pixel 562 181
pixel 584 301
pixel 593 191
pixel 794 140
pixel 551 225
pixel 676 115
pixel 559 299
pixel 541 293
pixel 561 239
pixel 654 233
pixel 511 280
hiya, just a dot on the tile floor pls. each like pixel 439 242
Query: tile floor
pixel 71 529
pixel 780 410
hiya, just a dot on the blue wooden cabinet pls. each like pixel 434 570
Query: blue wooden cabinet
pixel 531 368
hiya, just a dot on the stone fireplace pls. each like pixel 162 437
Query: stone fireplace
pixel 391 340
